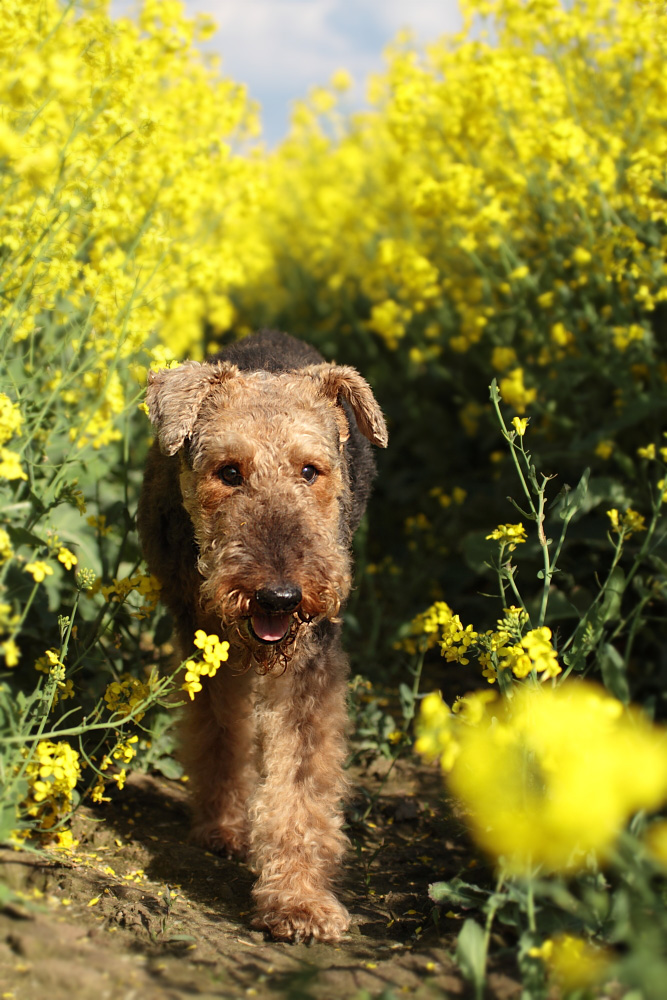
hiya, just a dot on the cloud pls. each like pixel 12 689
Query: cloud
pixel 280 48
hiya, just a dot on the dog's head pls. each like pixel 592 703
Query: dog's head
pixel 266 482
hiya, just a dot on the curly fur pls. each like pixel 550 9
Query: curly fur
pixel 263 742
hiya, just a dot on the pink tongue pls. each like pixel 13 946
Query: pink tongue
pixel 270 628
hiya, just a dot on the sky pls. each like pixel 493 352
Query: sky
pixel 280 48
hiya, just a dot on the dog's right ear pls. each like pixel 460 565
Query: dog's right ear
pixel 175 395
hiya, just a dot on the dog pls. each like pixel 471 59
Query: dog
pixel 258 478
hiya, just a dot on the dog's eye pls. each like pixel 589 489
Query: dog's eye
pixel 230 475
pixel 309 473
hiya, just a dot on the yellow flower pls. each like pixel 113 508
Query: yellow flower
pixel 6 550
pixel 503 358
pixel 100 524
pixel 214 652
pixel 514 392
pixel 573 963
pixel 52 771
pixel 10 465
pixel 558 798
pixel 39 570
pixel 11 652
pixel 520 424
pixel 191 683
pixel 509 534
pixel 581 256
pixel 97 791
pixel 604 449
pixel 10 418
pixel 435 734
pixel 656 841
pixel 341 80
pixel 67 558
pixel 544 659
pixel 648 452
pixel 628 523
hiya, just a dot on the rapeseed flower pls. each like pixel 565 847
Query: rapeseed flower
pixel 67 558
pixel 10 418
pixel 11 653
pixel 10 465
pixel 6 548
pixel 627 523
pixel 515 393
pixel 573 963
pixel 509 534
pixel 52 771
pixel 536 796
pixel 214 653
pixel 39 570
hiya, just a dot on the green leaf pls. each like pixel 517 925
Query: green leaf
pixel 611 604
pixel 573 501
pixel 7 821
pixel 169 767
pixel 614 674
pixel 457 893
pixel 471 952
pixel 591 627
pixel 21 536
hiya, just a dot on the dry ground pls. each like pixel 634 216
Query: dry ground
pixel 136 912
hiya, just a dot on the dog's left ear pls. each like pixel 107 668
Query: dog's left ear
pixel 338 382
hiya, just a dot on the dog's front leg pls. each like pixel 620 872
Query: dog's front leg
pixel 296 838
pixel 217 751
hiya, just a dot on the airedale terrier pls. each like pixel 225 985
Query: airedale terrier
pixel 258 479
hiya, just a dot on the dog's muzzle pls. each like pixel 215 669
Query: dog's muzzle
pixel 275 606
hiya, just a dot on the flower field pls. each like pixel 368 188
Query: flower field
pixel 486 243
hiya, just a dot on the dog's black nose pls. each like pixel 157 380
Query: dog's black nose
pixel 279 599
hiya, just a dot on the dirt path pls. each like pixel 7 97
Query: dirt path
pixel 136 912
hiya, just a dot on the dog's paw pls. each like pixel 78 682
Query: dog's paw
pixel 324 919
pixel 220 839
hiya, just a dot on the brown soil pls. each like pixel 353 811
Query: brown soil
pixel 136 912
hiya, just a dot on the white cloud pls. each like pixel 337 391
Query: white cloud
pixel 279 48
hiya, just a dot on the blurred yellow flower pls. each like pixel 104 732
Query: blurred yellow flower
pixel 67 558
pixel 604 449
pixel 537 797
pixel 573 963
pixel 656 841
pixel 627 523
pixel 39 570
pixel 10 465
pixel 10 418
pixel 515 393
pixel 11 653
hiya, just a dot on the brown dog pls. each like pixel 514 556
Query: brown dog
pixel 258 479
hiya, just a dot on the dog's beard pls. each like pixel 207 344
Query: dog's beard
pixel 245 629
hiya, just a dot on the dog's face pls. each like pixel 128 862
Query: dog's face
pixel 265 482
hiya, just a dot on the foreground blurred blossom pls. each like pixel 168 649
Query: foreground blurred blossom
pixel 572 962
pixel 549 775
